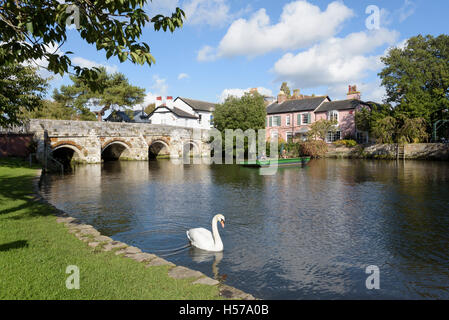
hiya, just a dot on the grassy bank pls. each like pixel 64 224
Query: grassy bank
pixel 35 252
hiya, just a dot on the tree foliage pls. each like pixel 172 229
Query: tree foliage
pixel 319 129
pixel 416 78
pixel 247 112
pixel 286 89
pixel 21 91
pixel 114 91
pixel 36 29
pixel 150 108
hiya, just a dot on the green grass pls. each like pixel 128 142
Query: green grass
pixel 35 251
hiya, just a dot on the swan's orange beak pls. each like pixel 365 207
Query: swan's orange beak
pixel 222 223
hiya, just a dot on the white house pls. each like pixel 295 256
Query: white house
pixel 183 112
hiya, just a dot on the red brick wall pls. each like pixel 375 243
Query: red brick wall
pixel 15 145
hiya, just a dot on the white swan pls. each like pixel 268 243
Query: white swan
pixel 204 239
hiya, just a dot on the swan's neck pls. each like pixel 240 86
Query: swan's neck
pixel 216 235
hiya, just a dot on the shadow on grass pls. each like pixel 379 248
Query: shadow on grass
pixel 17 191
pixel 13 245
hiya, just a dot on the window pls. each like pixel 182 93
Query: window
pixel 275 121
pixel 211 120
pixel 332 115
pixel 362 137
pixel 333 136
pixel 287 121
pixel 289 136
pixel 200 118
pixel 306 118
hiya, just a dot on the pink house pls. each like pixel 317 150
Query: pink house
pixel 288 118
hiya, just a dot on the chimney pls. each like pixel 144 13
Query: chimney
pixel 169 102
pixel 353 93
pixel 281 97
pixel 158 102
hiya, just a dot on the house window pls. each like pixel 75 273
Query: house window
pixel 287 121
pixel 332 115
pixel 306 118
pixel 211 120
pixel 361 137
pixel 276 121
pixel 289 136
pixel 333 136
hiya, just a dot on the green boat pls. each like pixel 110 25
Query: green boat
pixel 273 162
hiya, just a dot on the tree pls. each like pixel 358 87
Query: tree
pixel 247 112
pixel 52 110
pixel 36 29
pixel 21 91
pixel 416 77
pixel 384 129
pixel 319 129
pixel 286 89
pixel 115 91
pixel 150 108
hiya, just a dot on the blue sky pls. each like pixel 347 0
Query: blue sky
pixel 229 46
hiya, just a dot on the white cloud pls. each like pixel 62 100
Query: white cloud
pixel 336 60
pixel 160 85
pixel 183 76
pixel 236 92
pixel 206 54
pixel 301 24
pixel 407 9
pixel 85 63
pixel 214 13
pixel 209 12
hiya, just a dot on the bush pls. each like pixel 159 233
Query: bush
pixel 346 143
pixel 314 149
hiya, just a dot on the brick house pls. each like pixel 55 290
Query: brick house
pixel 291 118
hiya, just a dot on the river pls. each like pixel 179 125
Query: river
pixel 303 233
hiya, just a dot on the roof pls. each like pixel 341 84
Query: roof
pixel 297 105
pixel 180 113
pixel 118 116
pixel 198 105
pixel 340 105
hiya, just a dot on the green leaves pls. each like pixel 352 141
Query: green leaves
pixel 106 90
pixel 247 112
pixel 416 77
pixel 28 30
pixel 21 91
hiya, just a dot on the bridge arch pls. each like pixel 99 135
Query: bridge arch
pixel 190 149
pixel 115 149
pixel 67 151
pixel 158 148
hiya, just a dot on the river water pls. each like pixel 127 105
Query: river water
pixel 303 233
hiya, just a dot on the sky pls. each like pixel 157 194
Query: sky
pixel 227 47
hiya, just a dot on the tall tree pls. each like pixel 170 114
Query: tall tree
pixel 247 112
pixel 36 29
pixel 416 78
pixel 21 91
pixel 114 91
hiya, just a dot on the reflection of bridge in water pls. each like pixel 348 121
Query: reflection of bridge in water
pixel 92 142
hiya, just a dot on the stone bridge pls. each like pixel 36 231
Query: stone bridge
pixel 92 142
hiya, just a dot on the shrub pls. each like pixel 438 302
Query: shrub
pixel 314 149
pixel 346 143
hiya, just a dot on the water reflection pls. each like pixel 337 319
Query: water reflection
pixel 302 233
